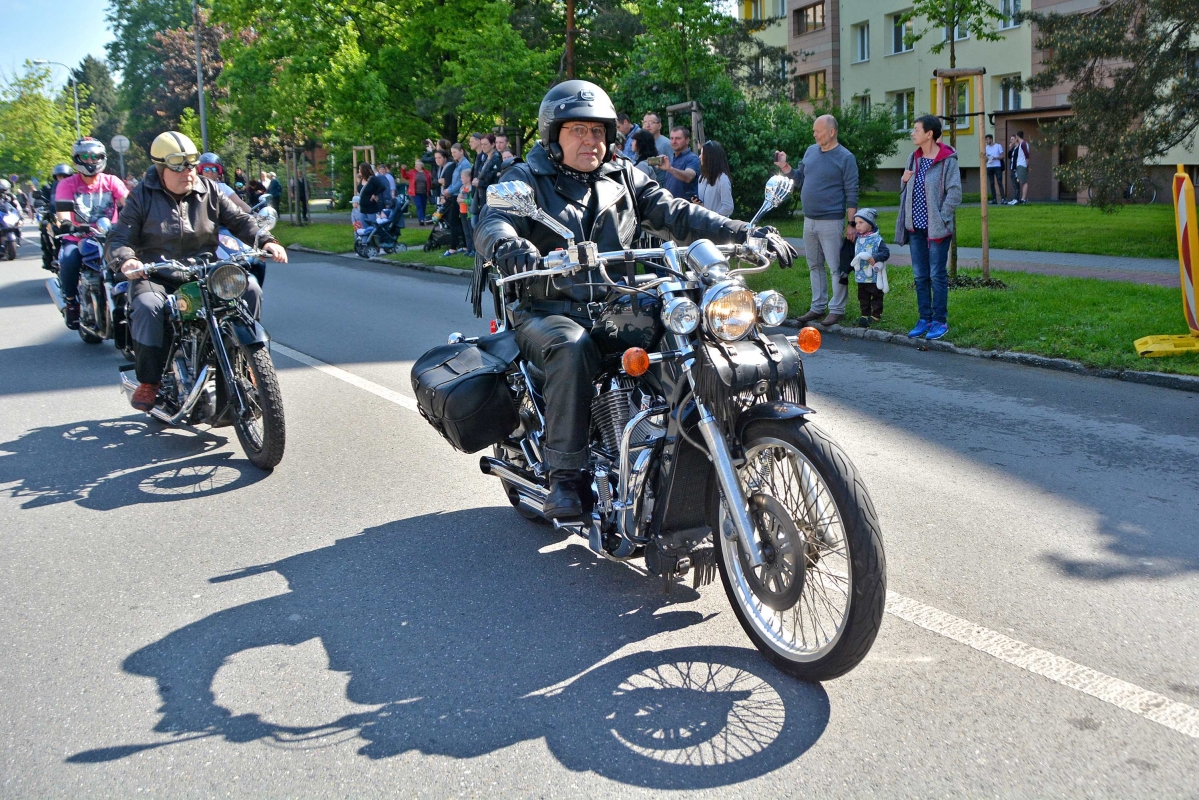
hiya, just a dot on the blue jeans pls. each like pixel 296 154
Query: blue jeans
pixel 420 200
pixel 70 261
pixel 928 268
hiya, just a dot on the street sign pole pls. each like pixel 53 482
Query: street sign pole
pixel 121 145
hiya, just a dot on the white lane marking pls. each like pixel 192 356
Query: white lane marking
pixel 349 377
pixel 1122 694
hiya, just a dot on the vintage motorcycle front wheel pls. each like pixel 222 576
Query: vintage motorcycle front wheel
pixel 262 432
pixel 815 607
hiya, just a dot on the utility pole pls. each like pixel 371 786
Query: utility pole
pixel 200 75
pixel 570 39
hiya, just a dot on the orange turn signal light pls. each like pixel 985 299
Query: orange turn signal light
pixel 808 339
pixel 635 361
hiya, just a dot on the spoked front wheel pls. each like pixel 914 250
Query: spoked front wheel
pixel 260 429
pixel 815 606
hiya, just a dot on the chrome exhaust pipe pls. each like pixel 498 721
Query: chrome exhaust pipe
pixel 56 293
pixel 129 386
pixel 523 489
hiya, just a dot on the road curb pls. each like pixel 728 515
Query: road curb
pixel 440 270
pixel 1184 383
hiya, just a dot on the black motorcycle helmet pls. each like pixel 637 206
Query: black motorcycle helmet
pixel 61 171
pixel 573 101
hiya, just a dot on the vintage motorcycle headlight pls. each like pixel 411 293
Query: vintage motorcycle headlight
pixel 681 315
pixel 729 311
pixel 228 281
pixel 772 307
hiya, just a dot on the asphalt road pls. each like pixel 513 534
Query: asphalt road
pixel 372 619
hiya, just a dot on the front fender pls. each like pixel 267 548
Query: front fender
pixel 248 332
pixel 780 410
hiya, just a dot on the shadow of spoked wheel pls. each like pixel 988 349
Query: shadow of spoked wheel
pixel 696 717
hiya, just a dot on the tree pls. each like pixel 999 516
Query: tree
pixel 945 18
pixel 1134 67
pixel 101 99
pixel 679 45
pixel 760 71
pixel 36 129
pixel 134 24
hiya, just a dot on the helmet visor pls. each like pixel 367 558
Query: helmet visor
pixel 90 157
pixel 179 162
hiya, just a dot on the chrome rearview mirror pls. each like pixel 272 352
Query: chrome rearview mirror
pixel 266 218
pixel 103 225
pixel 778 189
pixel 517 198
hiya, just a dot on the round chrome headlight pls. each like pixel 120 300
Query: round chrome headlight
pixel 772 307
pixel 228 281
pixel 681 315
pixel 729 311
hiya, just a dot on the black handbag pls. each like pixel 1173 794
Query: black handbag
pixel 463 392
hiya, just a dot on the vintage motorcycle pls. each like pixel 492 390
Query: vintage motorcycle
pixel 703 458
pixel 219 369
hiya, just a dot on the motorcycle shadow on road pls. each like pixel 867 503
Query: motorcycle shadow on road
pixel 460 654
pixel 113 463
pixel 30 292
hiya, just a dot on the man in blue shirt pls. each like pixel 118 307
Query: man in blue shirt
pixel 682 174
pixel 627 128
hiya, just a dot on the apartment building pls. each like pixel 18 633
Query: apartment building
pixel 854 52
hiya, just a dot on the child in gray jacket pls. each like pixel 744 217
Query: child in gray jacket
pixel 870 269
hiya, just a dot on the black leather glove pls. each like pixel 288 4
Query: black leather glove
pixel 516 255
pixel 776 244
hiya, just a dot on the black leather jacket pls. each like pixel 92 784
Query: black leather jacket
pixel 154 225
pixel 626 199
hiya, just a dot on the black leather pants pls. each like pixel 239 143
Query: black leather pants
pixel 563 349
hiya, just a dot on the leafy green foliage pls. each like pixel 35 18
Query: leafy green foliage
pixel 101 99
pixel 1135 96
pixel 36 128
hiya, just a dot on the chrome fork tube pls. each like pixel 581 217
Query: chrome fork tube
pixel 726 475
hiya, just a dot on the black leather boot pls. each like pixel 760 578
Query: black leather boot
pixel 71 311
pixel 563 500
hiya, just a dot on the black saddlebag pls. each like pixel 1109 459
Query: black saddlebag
pixel 732 376
pixel 463 393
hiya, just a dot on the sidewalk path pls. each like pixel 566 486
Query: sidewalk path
pixel 1155 271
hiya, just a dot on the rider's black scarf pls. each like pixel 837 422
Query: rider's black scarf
pixel 585 178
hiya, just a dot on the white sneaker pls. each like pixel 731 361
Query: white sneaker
pixel 1012 202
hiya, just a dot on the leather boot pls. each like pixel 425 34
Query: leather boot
pixel 144 396
pixel 71 311
pixel 563 500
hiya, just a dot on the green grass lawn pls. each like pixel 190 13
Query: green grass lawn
pixel 338 237
pixel 1083 319
pixel 1133 231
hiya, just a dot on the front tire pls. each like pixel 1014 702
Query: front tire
pixel 815 608
pixel 261 430
pixel 10 249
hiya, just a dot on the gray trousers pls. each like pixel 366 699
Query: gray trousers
pixel 822 240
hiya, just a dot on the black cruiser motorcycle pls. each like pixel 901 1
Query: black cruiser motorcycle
pixel 703 455
pixel 219 370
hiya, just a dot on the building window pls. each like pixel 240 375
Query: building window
pixel 1009 95
pixel 752 9
pixel 783 68
pixel 809 18
pixel 905 109
pixel 900 30
pixel 961 34
pixel 863 104
pixel 861 38
pixel 1009 9
pixel 957 102
pixel 782 9
pixel 810 87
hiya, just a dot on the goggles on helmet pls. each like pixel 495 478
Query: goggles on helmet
pixel 91 157
pixel 180 162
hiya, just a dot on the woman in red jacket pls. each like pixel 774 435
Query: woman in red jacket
pixel 419 180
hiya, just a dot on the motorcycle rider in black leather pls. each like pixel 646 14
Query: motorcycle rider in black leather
pixel 580 179
pixel 49 221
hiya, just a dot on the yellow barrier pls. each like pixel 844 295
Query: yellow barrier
pixel 1187 227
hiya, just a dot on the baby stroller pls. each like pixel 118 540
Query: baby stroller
pixel 439 236
pixel 382 233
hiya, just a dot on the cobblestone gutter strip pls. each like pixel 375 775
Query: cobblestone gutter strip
pixel 440 270
pixel 1186 383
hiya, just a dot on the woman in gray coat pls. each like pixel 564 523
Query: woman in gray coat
pixel 928 200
